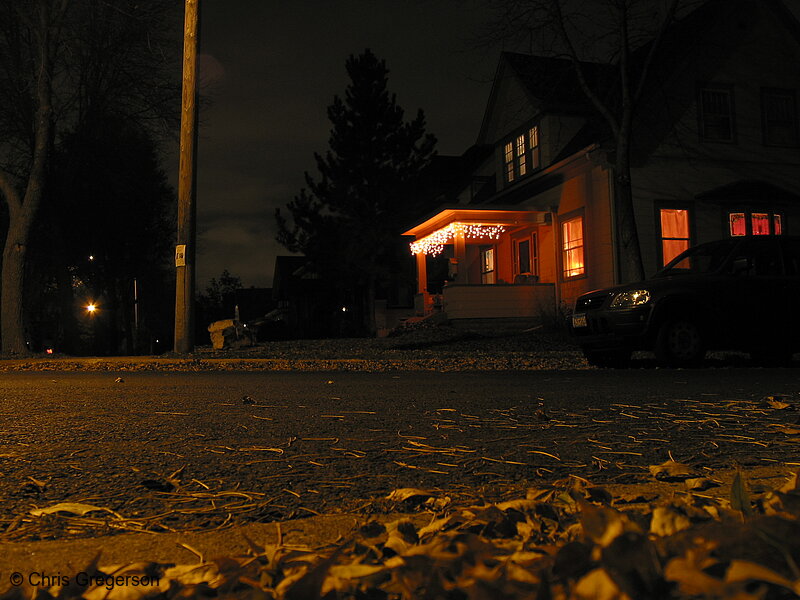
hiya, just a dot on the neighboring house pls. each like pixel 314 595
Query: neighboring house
pixel 716 153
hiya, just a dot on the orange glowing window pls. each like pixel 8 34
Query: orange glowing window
pixel 674 232
pixel 760 222
pixel 521 164
pixel 572 247
pixel 737 223
pixel 757 223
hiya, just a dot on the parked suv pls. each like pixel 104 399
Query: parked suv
pixel 739 293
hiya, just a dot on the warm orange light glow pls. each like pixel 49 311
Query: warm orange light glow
pixel 434 243
pixel 91 308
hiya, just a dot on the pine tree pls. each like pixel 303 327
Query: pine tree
pixel 348 220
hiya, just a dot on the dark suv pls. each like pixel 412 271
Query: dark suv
pixel 736 294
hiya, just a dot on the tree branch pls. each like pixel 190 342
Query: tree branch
pixel 654 46
pixel 576 63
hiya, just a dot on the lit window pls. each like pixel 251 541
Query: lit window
pixel 509 162
pixel 737 223
pixel 522 167
pixel 487 265
pixel 760 222
pixel 716 115
pixel 521 154
pixel 533 144
pixel 757 223
pixel 674 233
pixel 572 247
pixel 779 116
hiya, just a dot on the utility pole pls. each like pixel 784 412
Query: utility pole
pixel 187 211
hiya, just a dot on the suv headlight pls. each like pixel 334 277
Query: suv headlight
pixel 630 298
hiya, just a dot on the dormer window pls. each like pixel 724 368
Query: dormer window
pixel 522 154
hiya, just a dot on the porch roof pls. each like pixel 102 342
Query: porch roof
pixel 473 223
pixel 482 216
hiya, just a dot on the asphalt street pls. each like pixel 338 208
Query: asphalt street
pixel 303 442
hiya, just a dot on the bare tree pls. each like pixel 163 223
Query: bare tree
pixel 624 36
pixel 63 62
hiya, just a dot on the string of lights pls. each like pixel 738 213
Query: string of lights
pixel 433 244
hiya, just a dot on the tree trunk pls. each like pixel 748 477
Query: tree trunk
pixel 631 266
pixel 11 313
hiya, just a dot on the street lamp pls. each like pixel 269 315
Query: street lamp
pixel 91 308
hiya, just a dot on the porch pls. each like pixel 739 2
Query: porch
pixel 485 263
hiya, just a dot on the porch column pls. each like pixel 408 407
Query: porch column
pixel 422 273
pixel 460 254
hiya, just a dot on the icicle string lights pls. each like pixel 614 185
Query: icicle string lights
pixel 434 243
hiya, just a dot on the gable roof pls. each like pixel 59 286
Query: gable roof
pixel 551 84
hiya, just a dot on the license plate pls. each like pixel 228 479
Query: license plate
pixel 579 320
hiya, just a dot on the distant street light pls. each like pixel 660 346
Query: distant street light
pixel 91 308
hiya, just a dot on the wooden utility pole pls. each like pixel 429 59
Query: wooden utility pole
pixel 187 211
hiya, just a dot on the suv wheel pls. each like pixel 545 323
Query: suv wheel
pixel 608 359
pixel 680 343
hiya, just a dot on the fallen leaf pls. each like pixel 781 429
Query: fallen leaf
pixel 74 508
pixel 672 471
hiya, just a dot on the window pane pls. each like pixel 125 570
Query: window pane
pixel 760 223
pixel 520 145
pixel 780 117
pixel 716 115
pixel 572 256
pixel 533 137
pixel 737 223
pixel 674 223
pixel 522 166
pixel 510 171
pixel 524 256
pixel 776 225
pixel 509 152
pixel 671 248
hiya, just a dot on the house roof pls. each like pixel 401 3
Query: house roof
pixel 552 85
pixel 753 192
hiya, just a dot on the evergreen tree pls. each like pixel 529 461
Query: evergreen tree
pixel 348 220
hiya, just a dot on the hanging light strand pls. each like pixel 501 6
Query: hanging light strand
pixel 434 244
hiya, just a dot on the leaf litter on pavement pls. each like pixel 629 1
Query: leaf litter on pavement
pixel 568 540
pixel 561 537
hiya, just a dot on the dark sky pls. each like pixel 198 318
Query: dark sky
pixel 277 66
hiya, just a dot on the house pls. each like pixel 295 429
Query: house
pixel 716 152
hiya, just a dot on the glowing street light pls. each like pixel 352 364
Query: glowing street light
pixel 91 308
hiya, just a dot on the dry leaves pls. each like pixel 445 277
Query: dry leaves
pixel 563 543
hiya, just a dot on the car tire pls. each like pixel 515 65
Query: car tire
pixel 680 343
pixel 608 359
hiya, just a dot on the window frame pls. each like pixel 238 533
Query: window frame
pixel 702 119
pixel 563 250
pixel 520 157
pixel 659 206
pixel 773 216
pixel 488 273
pixel 533 255
pixel 791 94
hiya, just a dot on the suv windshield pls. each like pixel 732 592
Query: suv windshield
pixel 707 258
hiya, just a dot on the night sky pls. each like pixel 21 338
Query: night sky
pixel 275 67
